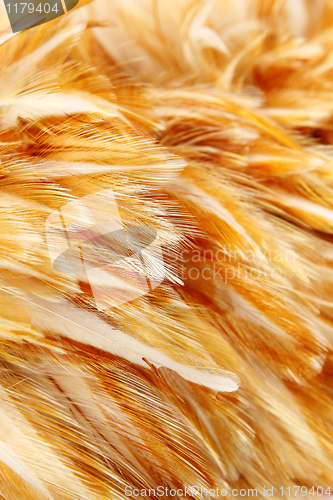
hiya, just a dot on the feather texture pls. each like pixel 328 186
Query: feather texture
pixel 210 121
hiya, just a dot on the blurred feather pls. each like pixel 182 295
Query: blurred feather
pixel 211 123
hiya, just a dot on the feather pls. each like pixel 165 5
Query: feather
pixel 166 188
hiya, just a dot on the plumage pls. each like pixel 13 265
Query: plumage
pixel 210 122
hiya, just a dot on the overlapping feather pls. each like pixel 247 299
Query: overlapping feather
pixel 211 122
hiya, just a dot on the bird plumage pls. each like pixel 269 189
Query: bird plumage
pixel 210 121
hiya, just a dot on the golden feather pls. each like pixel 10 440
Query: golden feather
pixel 210 122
